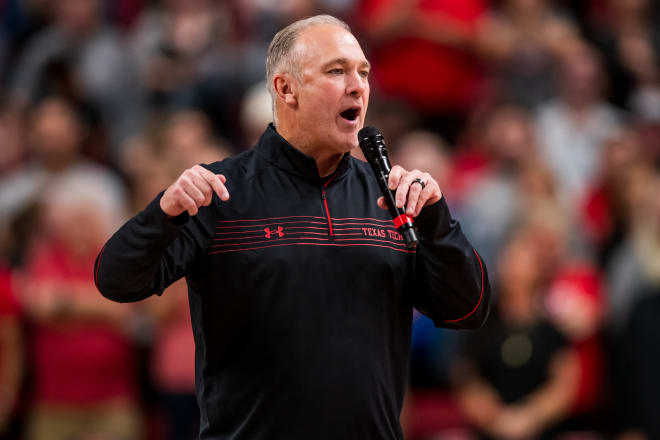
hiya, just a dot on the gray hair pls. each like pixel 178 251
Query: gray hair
pixel 281 57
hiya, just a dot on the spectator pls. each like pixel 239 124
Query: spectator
pixel 573 127
pixel 574 303
pixel 84 372
pixel 629 39
pixel 424 53
pixel 604 214
pixel 518 377
pixel 634 278
pixel 189 56
pixel 522 40
pixel 80 41
pixel 56 136
pixel 632 271
pixel 505 189
pixel 187 141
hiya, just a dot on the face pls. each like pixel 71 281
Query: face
pixel 56 132
pixel 331 94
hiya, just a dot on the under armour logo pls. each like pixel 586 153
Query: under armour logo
pixel 278 232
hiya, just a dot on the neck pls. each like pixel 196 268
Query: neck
pixel 327 160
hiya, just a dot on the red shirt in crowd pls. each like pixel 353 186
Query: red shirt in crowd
pixel 435 78
pixel 77 361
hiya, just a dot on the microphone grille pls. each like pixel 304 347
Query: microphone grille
pixel 367 132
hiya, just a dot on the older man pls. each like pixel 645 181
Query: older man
pixel 301 290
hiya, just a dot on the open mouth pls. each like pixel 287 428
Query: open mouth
pixel 351 114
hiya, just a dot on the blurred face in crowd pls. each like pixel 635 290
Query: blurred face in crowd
pixel 188 141
pixel 64 214
pixel 581 74
pixel 424 151
pixel 56 133
pixel 536 181
pixel 329 95
pixel 518 266
pixel 546 230
pixel 519 278
pixel 509 134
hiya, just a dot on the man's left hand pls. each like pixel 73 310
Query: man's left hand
pixel 409 192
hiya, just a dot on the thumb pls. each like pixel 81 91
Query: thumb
pixel 381 202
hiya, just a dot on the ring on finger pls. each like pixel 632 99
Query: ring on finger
pixel 420 181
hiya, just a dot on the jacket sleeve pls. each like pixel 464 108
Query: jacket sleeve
pixel 451 282
pixel 150 252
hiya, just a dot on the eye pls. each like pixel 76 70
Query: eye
pixel 364 73
pixel 336 71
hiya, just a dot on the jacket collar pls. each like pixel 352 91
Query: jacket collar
pixel 278 151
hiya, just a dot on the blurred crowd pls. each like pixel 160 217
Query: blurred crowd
pixel 540 119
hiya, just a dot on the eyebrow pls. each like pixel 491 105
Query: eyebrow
pixel 345 61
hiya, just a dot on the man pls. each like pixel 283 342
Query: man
pixel 301 290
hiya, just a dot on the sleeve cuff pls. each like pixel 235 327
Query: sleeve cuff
pixel 154 212
pixel 434 220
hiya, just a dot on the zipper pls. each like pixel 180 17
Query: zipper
pixel 325 203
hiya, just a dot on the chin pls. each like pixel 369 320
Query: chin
pixel 348 144
pixel 349 140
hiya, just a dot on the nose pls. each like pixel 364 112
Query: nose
pixel 356 84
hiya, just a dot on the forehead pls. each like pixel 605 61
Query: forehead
pixel 321 44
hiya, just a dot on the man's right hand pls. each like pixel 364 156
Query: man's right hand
pixel 193 188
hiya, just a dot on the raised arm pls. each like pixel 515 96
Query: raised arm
pixel 157 246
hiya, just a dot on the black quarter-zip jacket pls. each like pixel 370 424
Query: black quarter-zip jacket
pixel 301 294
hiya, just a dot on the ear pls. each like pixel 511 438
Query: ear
pixel 285 87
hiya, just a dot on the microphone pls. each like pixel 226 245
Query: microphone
pixel 374 149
